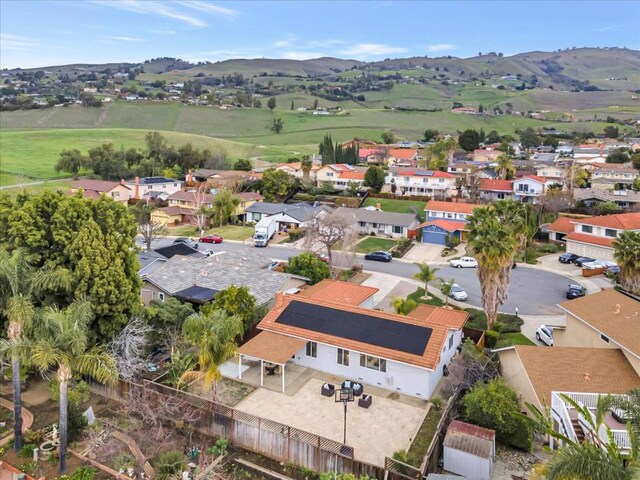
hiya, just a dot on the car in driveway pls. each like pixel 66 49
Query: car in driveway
pixel 458 293
pixel 544 334
pixel 211 239
pixel 464 262
pixel 379 256
pixel 186 241
pixel 576 291
pixel 582 260
pixel 567 257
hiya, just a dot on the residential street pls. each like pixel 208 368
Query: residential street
pixel 532 291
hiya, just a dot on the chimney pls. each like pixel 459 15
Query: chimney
pixel 617 310
pixel 136 191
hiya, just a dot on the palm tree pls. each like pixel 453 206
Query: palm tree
pixel 426 274
pixel 403 306
pixel 446 289
pixel 20 287
pixel 306 165
pixel 213 334
pixel 626 252
pixel 62 341
pixel 494 245
pixel 224 205
pixel 505 165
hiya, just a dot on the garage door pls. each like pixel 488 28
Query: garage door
pixel 593 251
pixel 439 238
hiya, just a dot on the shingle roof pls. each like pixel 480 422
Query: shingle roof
pixel 176 210
pixel 496 185
pixel 457 207
pixel 571 369
pixel 102 186
pixel 469 438
pixel 599 311
pixel 300 211
pixel 590 239
pixel 606 195
pixel 339 292
pixel 430 358
pixel 385 218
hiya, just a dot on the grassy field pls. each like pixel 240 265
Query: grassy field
pixel 373 244
pixel 398 206
pixel 61 184
pixel 508 339
pixel 227 232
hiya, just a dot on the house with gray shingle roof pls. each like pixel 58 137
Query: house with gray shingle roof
pixel 295 214
pixel 391 224
pixel 197 280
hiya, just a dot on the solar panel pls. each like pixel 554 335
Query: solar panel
pixel 424 173
pixel 358 327
pixel 155 180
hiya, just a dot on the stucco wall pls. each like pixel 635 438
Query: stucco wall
pixel 513 371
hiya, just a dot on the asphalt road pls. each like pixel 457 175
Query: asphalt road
pixel 532 291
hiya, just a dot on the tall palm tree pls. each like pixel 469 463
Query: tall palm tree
pixel 494 246
pixel 61 340
pixel 20 287
pixel 306 165
pixel 213 334
pixel 425 274
pixel 224 205
pixel 446 288
pixel 626 252
pixel 505 165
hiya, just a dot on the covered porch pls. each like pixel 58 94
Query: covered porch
pixel 265 361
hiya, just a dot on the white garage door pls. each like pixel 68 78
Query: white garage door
pixel 593 251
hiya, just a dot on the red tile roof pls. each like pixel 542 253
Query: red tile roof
pixel 339 292
pixel 619 221
pixel 448 225
pixel 429 359
pixel 410 172
pixel 446 316
pixel 590 239
pixel 563 225
pixel 496 185
pixel 456 207
pixel 535 178
pixel 403 153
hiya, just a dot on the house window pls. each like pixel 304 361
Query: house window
pixel 161 296
pixel 374 363
pixel 363 224
pixel 604 338
pixel 441 180
pixel 343 357
pixel 374 225
pixel 398 229
pixel 608 232
pixel 312 349
pixel 501 196
pixel 175 184
pixel 425 180
pixel 407 179
pixel 115 194
pixel 164 185
pixel 450 342
pixel 587 228
pixel 329 174
pixel 449 215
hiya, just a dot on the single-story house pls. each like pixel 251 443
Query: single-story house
pixel 469 450
pixel 94 188
pixel 405 354
pixel 391 224
pixel 491 190
pixel 295 169
pixel 627 199
pixel 446 218
pixel 291 215
pixel 594 236
pixel 173 215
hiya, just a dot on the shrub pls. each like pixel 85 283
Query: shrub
pixel 123 461
pixel 170 464
pixel 83 473
pixel 548 248
pixel 508 324
pixel 491 338
pixel 310 266
pixel 304 197
pixel 220 447
pixel 26 451
pixel 437 402
pixel 296 233
pixel 531 256
pixel 401 455
pixel 76 423
pixel 32 436
pixel 521 436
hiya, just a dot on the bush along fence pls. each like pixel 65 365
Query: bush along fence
pixel 275 440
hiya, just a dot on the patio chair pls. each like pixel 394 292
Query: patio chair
pixel 365 401
pixel 328 390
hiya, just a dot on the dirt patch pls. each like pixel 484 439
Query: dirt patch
pixel 228 392
pixel 359 278
pixel 44 468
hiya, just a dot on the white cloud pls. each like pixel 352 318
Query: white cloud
pixel 362 50
pixel 164 32
pixel 16 42
pixel 209 8
pixel 158 9
pixel 282 44
pixel 126 39
pixel 440 47
pixel 297 55
pixel 324 43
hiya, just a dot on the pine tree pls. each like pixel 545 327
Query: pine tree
pixel 292 105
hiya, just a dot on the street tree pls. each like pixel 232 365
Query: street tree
pixel 447 288
pixel 310 266
pixel 340 225
pixel 149 229
pixel 425 274
pixel 224 205
pixel 374 178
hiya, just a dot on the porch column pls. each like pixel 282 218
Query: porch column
pixel 283 378
pixel 261 373
pixel 239 366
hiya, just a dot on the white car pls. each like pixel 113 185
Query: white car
pixel 458 293
pixel 544 334
pixel 464 262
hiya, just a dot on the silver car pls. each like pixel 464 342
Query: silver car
pixel 458 293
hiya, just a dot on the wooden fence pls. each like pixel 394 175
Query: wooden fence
pixel 434 452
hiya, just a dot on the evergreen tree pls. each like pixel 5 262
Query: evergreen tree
pixel 292 105
pixel 327 150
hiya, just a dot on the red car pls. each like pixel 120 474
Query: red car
pixel 211 239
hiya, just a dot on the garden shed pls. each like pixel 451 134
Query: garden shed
pixel 469 450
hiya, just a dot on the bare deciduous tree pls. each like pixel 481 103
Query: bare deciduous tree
pixel 202 212
pixel 557 200
pixel 470 367
pixel 127 348
pixel 341 226
pixel 151 231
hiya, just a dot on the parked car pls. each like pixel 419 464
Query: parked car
pixel 186 241
pixel 613 271
pixel 211 239
pixel 582 260
pixel 604 264
pixel 567 257
pixel 575 291
pixel 208 252
pixel 464 262
pixel 378 256
pixel 544 334
pixel 458 293
pixel 323 257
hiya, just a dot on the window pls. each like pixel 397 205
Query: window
pixel 407 179
pixel 329 174
pixel 343 357
pixel 425 180
pixel 608 232
pixel 363 224
pixel 374 363
pixel 604 338
pixel 161 296
pixel 175 184
pixel 441 180
pixel 164 185
pixel 449 215
pixel 450 342
pixel 398 229
pixel 587 228
pixel 312 349
pixel 501 196
pixel 374 225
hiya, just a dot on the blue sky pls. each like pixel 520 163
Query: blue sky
pixel 49 32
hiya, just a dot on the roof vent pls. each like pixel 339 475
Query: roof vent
pixel 617 310
pixel 587 377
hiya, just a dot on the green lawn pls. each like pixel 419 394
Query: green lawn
pixel 398 206
pixel 62 184
pixel 433 300
pixel 372 244
pixel 227 232
pixel 508 339
pixel 424 436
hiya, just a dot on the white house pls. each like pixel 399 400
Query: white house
pixel 613 175
pixel 292 215
pixel 405 354
pixel 469 450
pixel 552 173
pixel 415 181
pixel 390 224
pixel 529 189
pixel 339 175
pixel 295 169
pixel 446 218
pixel 151 187
pixel 593 237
